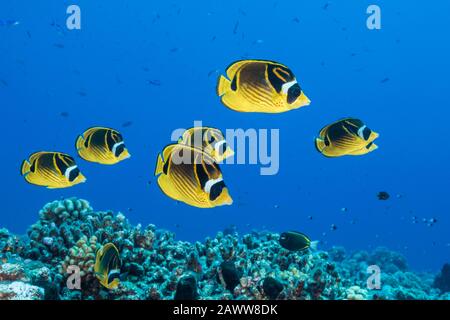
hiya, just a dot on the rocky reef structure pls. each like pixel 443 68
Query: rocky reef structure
pixel 442 280
pixel 155 266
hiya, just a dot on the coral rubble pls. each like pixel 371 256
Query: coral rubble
pixel 155 266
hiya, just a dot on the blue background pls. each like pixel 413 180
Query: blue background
pixel 100 76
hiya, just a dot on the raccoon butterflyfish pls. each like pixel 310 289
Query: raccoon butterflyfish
pixel 102 145
pixel 260 86
pixel 296 241
pixel 346 137
pixel 210 140
pixel 107 266
pixel 53 170
pixel 190 175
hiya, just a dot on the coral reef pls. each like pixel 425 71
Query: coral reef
pixel 27 280
pixel 442 280
pixel 155 266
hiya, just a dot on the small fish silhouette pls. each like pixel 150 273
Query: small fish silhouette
pixel 154 82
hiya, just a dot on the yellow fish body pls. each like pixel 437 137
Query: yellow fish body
pixel 53 170
pixel 189 175
pixel 209 140
pixel 107 266
pixel 346 137
pixel 260 86
pixel 102 145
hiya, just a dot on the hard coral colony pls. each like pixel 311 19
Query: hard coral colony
pixel 155 266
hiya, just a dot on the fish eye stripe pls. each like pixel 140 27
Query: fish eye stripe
pixel 364 132
pixel 69 171
pixel 210 183
pixel 116 146
pixel 216 190
pixel 286 86
pixel 219 145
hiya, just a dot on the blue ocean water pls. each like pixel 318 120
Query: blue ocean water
pixel 154 66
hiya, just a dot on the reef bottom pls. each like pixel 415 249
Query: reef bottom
pixel 55 261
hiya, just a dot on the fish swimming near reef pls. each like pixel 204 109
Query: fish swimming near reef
pixel 107 266
pixel 260 86
pixel 190 175
pixel 209 140
pixel 296 241
pixel 102 145
pixel 348 136
pixel 53 170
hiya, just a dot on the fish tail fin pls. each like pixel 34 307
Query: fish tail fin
pixel 223 86
pixel 320 144
pixel 25 167
pixel 159 165
pixel 313 245
pixel 79 144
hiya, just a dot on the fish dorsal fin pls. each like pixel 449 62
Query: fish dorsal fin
pixel 190 134
pixel 167 152
pixel 86 134
pixel 37 155
pixel 322 131
pixel 163 161
pixel 184 139
pixel 233 68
